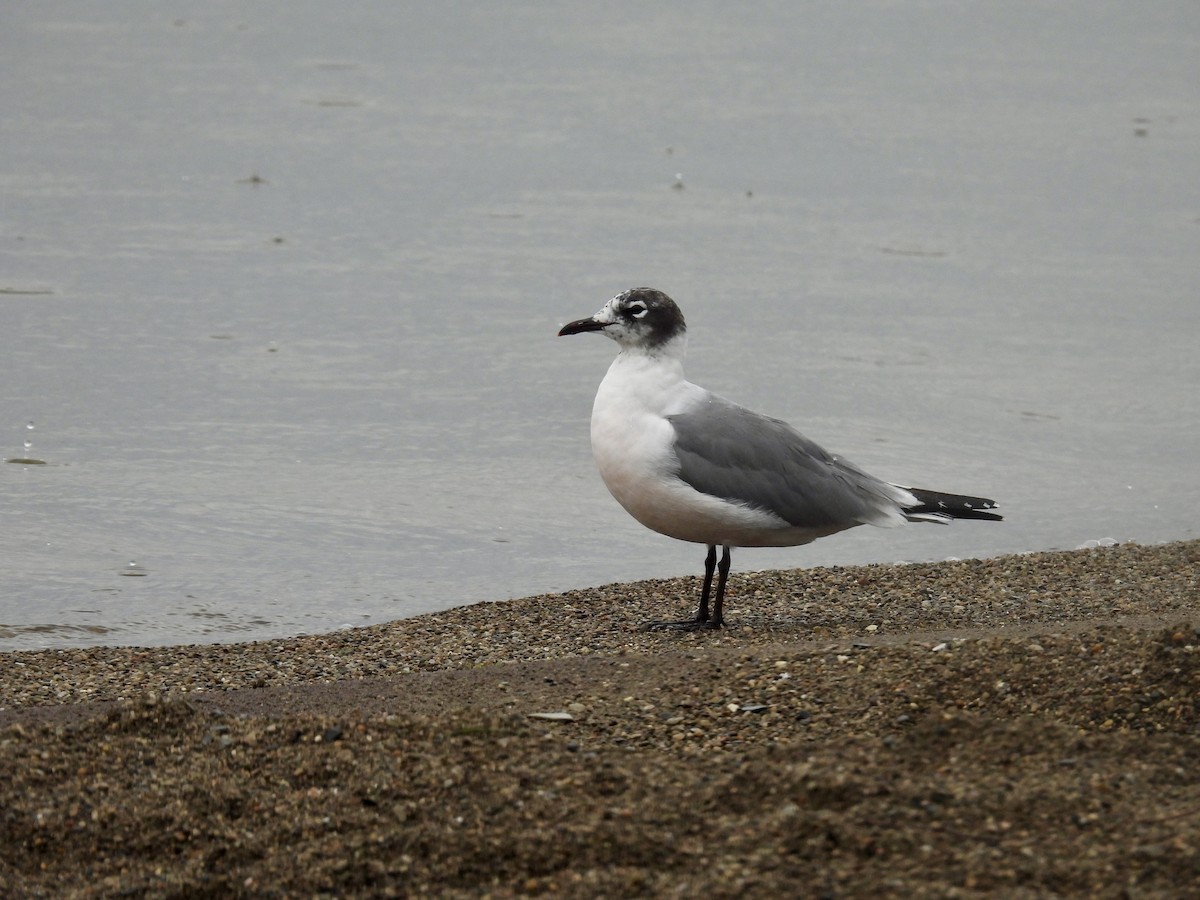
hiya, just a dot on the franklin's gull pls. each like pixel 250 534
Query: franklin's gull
pixel 696 467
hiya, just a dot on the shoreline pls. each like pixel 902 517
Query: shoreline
pixel 873 604
pixel 1025 725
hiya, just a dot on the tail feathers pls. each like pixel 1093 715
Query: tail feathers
pixel 934 506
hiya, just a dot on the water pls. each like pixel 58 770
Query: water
pixel 280 287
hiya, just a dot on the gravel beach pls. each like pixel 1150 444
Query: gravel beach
pixel 1022 726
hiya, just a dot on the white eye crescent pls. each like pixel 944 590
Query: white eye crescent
pixel 637 310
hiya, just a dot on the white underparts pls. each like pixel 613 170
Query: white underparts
pixel 632 441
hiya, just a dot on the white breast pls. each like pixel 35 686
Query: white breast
pixel 632 441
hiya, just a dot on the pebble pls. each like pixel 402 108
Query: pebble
pixel 825 607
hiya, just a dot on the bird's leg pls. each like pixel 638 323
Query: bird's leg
pixel 718 618
pixel 702 620
pixel 710 563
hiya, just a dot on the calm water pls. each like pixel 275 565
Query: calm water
pixel 280 286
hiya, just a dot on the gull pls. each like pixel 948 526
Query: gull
pixel 696 467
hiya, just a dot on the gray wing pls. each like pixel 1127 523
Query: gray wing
pixel 728 451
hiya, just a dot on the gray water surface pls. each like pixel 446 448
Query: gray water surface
pixel 279 286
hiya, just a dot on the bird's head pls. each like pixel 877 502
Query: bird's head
pixel 639 319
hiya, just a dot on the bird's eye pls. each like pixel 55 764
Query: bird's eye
pixel 636 310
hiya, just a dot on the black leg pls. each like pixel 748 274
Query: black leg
pixel 710 563
pixel 718 618
pixel 702 619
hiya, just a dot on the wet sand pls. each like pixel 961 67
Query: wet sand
pixel 1024 725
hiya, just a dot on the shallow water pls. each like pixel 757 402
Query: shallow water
pixel 278 293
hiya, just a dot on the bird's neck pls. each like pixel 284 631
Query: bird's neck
pixel 669 351
pixel 649 381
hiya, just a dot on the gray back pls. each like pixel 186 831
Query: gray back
pixel 728 451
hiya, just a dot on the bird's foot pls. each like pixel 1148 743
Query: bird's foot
pixel 684 625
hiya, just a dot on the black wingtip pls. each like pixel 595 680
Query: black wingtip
pixel 953 506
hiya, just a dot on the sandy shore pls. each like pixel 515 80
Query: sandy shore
pixel 1022 725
